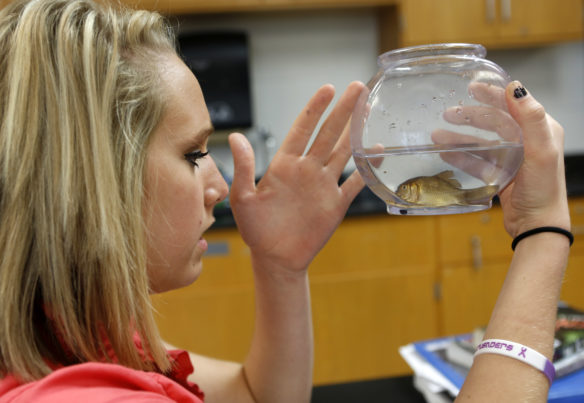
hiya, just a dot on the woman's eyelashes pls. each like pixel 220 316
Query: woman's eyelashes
pixel 194 156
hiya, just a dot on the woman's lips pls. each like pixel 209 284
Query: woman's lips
pixel 203 245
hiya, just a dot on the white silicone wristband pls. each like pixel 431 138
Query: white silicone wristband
pixel 519 352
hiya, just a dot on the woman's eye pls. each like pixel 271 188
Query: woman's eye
pixel 194 156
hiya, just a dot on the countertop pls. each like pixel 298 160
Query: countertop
pixel 367 202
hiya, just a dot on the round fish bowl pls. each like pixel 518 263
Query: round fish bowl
pixel 431 133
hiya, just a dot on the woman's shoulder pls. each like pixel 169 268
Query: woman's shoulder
pixel 95 382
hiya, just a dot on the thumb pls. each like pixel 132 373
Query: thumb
pixel 531 117
pixel 243 165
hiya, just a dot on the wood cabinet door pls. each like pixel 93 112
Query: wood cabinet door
pixel 215 315
pixel 474 239
pixel 372 291
pixel 494 23
pixel 431 21
pixel 474 255
pixel 577 217
pixel 468 296
pixel 360 321
pixel 573 286
pixel 540 21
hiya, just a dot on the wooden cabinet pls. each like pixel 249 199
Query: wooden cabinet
pixel 372 291
pixel 540 21
pixel 493 23
pixel 474 255
pixel 473 258
pixel 380 282
pixel 573 286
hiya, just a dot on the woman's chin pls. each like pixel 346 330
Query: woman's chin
pixel 175 281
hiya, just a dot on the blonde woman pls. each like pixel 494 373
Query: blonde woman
pixel 106 190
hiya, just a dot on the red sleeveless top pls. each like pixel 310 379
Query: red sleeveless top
pixel 98 382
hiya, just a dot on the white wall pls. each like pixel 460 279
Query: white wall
pixel 293 53
pixel 555 76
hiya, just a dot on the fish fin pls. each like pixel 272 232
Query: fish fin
pixel 481 194
pixel 448 177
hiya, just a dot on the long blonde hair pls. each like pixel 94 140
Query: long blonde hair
pixel 80 94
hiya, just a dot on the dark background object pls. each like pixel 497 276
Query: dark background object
pixel 219 60
pixel 394 390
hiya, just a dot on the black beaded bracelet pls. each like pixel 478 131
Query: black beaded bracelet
pixel 542 229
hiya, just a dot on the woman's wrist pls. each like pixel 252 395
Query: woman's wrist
pixel 555 242
pixel 558 216
pixel 544 229
pixel 277 269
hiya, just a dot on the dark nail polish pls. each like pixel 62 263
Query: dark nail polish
pixel 519 92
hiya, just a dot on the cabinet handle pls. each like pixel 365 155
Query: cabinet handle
pixel 506 10
pixel 476 252
pixel 490 10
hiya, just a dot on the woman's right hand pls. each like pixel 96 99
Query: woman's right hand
pixel 537 196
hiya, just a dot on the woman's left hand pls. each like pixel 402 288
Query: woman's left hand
pixel 291 213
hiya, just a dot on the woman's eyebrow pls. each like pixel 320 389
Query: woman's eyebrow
pixel 205 132
pixel 201 136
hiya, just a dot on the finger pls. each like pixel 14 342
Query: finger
pixel 351 188
pixel 485 118
pixel 488 94
pixel 341 152
pixel 478 147
pixel 304 125
pixel 375 155
pixel 477 164
pixel 244 166
pixel 334 125
pixel 447 137
pixel 532 118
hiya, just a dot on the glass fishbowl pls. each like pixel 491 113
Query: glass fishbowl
pixel 431 133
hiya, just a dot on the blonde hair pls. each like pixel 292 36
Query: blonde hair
pixel 80 94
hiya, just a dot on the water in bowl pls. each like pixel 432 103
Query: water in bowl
pixel 438 179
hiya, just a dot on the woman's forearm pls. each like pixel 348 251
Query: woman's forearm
pixel 525 313
pixel 279 365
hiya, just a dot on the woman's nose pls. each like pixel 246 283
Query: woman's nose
pixel 216 189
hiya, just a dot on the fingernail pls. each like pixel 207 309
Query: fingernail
pixel 519 92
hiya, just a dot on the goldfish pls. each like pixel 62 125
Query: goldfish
pixel 442 190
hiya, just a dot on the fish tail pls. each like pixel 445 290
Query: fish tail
pixel 481 194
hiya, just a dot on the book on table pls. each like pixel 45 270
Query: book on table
pixel 441 365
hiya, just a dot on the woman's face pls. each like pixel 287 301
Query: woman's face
pixel 181 184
